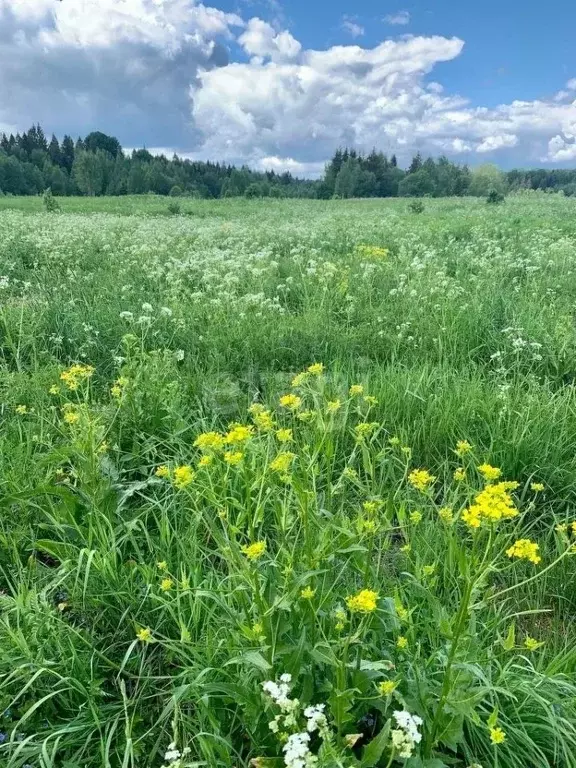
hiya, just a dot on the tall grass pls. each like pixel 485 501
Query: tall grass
pixel 135 614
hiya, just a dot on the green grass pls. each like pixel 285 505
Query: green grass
pixel 463 329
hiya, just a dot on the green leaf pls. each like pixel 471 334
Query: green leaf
pixel 510 641
pixel 493 719
pixel 253 659
pixel 375 749
pixel 57 549
pixel 323 654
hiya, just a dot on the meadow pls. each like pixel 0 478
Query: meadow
pixel 288 483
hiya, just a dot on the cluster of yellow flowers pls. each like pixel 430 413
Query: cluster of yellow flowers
pixel 117 390
pixel 183 476
pixel 316 369
pixel 75 375
pixel 421 479
pixel 282 462
pixel 209 441
pixel 524 549
pixel 365 601
pixel 261 417
pixel 290 401
pixel 254 551
pixel 374 252
pixel 492 504
pixel 489 472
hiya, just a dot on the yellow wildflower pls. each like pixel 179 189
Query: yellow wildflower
pixel 421 479
pixel 166 584
pixel 492 504
pixel 71 417
pixel 489 472
pixel 462 448
pixel 459 474
pixel 537 487
pixel 21 410
pixel 365 429
pixel 162 471
pixel 205 461
pixel 292 402
pixel 532 644
pixel 428 570
pixel 406 548
pixel 349 473
pixel 162 565
pixel 562 527
pixel 370 400
pixel 394 440
pixel 401 611
pixel 183 476
pixel 402 642
pixel 282 462
pixel 316 369
pixel 284 435
pixel 415 517
pixel 524 549
pixel 209 441
pixel 333 405
pixel 299 379
pixel 356 390
pixel 364 601
pixel 144 635
pixel 573 526
pixel 307 593
pixel 54 389
pixel 254 551
pixel 239 433
pixel 497 736
pixel 387 687
pixel 233 457
pixel 261 417
pixel 73 376
pixel 446 515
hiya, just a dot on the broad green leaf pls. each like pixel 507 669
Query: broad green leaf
pixel 375 749
pixel 510 641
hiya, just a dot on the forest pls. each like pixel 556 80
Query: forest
pixel 98 165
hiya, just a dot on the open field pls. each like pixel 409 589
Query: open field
pixel 183 519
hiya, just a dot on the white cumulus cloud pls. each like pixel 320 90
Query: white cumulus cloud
pixel 159 72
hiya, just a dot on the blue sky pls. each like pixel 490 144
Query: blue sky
pixel 282 83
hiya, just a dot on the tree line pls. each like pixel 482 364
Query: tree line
pixel 97 165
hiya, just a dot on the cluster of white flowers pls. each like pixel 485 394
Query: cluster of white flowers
pixel 316 719
pixel 407 735
pixel 297 753
pixel 174 757
pixel 296 750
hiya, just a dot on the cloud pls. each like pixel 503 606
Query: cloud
pixel 261 40
pixel 158 72
pixel 352 27
pixel 121 66
pixel 400 18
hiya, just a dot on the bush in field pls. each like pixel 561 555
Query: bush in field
pixel 495 197
pixel 416 206
pixel 174 207
pixel 51 204
pixel 253 191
